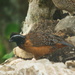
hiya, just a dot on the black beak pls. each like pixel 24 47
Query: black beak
pixel 10 40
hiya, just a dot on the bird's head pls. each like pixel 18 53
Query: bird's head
pixel 19 39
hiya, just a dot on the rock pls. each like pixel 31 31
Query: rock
pixel 21 53
pixel 35 67
pixel 68 5
pixel 66 23
pixel 70 64
pixel 66 26
pixel 38 9
pixel 71 40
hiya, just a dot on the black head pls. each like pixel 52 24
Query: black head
pixel 19 39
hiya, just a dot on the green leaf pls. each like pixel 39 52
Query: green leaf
pixel 8 55
pixel 2 49
pixel 12 27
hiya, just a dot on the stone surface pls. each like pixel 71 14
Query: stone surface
pixel 68 5
pixel 70 64
pixel 21 53
pixel 35 67
pixel 38 9
pixel 67 26
pixel 66 23
pixel 71 40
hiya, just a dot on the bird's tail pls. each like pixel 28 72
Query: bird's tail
pixel 67 44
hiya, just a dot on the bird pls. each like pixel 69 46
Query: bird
pixel 68 5
pixel 39 43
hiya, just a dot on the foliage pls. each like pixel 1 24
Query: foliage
pixel 12 14
pixel 12 27
pixel 2 49
pixel 9 55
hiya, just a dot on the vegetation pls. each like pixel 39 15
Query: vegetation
pixel 12 14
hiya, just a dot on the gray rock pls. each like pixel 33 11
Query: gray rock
pixel 35 67
pixel 68 5
pixel 66 23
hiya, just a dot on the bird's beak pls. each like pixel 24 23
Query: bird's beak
pixel 10 40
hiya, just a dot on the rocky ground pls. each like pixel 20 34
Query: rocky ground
pixel 36 67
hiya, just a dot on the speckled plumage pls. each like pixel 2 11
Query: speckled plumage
pixel 39 43
pixel 44 39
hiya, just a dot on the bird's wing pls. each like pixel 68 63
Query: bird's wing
pixel 45 39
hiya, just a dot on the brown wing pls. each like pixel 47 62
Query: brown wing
pixel 45 39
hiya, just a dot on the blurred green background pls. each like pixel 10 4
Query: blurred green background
pixel 12 14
